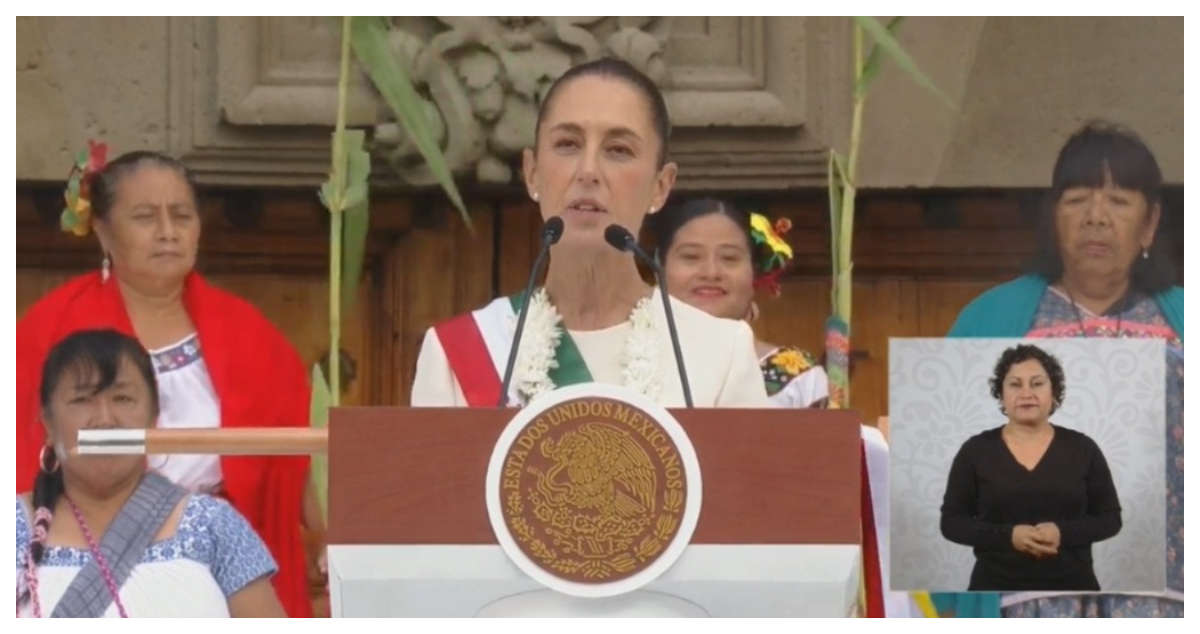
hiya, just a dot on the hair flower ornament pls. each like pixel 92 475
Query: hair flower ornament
pixel 76 217
pixel 775 254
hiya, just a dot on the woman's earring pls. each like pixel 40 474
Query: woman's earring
pixel 50 464
pixel 105 268
pixel 651 209
pixel 1145 253
pixel 752 312
pixel 534 196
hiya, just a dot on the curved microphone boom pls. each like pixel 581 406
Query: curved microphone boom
pixel 621 240
pixel 552 230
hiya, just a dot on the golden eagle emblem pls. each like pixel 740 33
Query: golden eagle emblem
pixel 591 497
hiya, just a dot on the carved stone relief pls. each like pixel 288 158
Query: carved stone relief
pixel 485 77
pixel 253 99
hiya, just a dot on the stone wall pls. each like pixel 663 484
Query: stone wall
pixel 756 101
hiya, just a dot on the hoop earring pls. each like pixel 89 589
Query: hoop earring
pixel 42 460
pixel 105 268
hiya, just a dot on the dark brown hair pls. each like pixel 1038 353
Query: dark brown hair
pixel 620 69
pixel 1026 352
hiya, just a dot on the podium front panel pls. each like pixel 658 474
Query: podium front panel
pixel 416 475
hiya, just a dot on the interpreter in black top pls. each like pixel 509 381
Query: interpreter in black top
pixel 1030 497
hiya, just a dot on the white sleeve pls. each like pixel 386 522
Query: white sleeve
pixel 807 388
pixel 434 384
pixel 743 386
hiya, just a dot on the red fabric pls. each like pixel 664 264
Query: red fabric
pixel 259 379
pixel 870 546
pixel 470 360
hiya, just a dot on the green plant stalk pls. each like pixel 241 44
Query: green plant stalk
pixel 842 307
pixel 843 287
pixel 336 208
pixel 845 231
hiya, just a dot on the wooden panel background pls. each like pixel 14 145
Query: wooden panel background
pixel 920 256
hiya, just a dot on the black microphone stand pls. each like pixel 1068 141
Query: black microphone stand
pixel 551 232
pixel 620 238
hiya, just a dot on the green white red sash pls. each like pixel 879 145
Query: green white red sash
pixel 477 345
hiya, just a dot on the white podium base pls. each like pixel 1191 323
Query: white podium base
pixel 479 580
pixel 548 603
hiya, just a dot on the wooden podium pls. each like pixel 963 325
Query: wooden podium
pixel 409 535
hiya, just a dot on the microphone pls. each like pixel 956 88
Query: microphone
pixel 621 240
pixel 552 230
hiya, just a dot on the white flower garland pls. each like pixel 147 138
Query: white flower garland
pixel 640 369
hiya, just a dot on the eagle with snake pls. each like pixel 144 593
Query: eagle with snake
pixel 600 472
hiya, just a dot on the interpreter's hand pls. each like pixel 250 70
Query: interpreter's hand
pixel 1048 535
pixel 1027 539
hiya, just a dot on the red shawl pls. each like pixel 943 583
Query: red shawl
pixel 259 379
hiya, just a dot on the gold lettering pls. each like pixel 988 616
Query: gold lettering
pixel 607 409
pixel 622 413
pixel 668 462
pixel 658 440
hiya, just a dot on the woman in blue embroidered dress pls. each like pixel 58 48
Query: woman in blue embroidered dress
pixel 101 535
pixel 1099 272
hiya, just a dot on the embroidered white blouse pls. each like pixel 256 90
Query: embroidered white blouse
pixel 186 399
pixel 212 555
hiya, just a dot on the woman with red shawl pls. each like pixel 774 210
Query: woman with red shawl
pixel 217 360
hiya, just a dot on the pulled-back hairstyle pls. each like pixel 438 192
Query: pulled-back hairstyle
pixel 105 182
pixel 666 223
pixel 620 69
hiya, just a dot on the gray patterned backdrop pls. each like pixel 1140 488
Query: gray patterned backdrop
pixel 939 397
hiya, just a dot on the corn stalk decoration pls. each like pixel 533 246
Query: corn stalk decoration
pixel 843 187
pixel 345 195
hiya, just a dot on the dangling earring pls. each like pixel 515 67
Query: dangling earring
pixel 752 312
pixel 105 268
pixel 49 465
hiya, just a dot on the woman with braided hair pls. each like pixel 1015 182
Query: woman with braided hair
pixel 101 536
pixel 217 361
